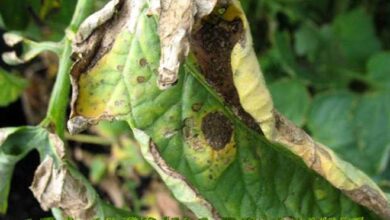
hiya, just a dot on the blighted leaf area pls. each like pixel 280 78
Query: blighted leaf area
pixel 212 42
pixel 217 130
pixel 176 20
pixel 56 183
pixel 95 39
pixel 96 36
pixel 57 188
pixel 195 128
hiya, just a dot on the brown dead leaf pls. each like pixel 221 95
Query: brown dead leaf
pixel 175 25
pixel 57 188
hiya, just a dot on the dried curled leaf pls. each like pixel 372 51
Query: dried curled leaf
pixel 175 25
pixel 57 188
pixel 56 183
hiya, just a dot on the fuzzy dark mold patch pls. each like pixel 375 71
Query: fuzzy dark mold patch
pixel 217 130
pixel 212 43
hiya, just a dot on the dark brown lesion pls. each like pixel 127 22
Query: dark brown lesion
pixel 212 43
pixel 217 130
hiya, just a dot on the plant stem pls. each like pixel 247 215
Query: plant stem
pixel 88 139
pixel 60 96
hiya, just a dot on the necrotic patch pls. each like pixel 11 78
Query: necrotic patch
pixel 212 43
pixel 217 129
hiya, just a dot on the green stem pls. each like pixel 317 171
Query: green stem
pixel 60 96
pixel 90 139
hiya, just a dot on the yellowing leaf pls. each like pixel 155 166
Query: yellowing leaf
pixel 214 137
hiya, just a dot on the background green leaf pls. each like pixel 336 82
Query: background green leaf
pixel 379 70
pixel 11 87
pixel 295 103
pixel 355 127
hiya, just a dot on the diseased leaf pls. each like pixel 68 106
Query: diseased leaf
pixel 11 87
pixel 56 184
pixel 214 137
pixel 175 25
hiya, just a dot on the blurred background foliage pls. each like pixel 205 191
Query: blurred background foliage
pixel 326 62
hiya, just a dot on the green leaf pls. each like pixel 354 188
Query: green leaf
pixel 291 98
pixel 98 169
pixel 285 53
pixel 14 14
pixel 112 129
pixel 307 41
pixel 331 114
pixel 355 127
pixel 214 161
pixel 56 14
pixel 379 70
pixel 27 15
pixel 372 124
pixel 15 143
pixel 356 34
pixel 11 87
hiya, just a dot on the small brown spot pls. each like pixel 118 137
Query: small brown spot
pixel 249 168
pixel 119 68
pixel 119 103
pixel 143 62
pixel 196 107
pixel 140 79
pixel 217 130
